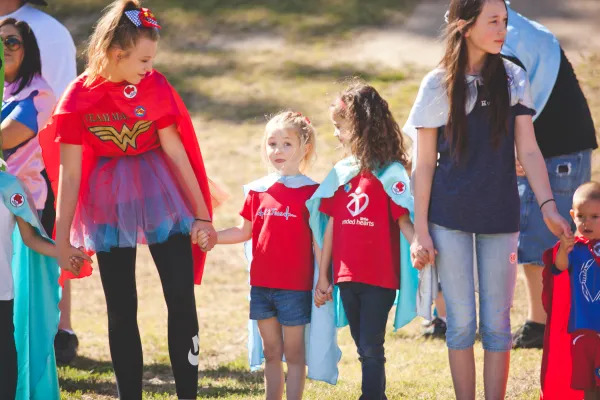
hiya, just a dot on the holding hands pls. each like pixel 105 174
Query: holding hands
pixel 323 291
pixel 422 251
pixel 204 235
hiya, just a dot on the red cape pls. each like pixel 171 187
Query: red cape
pixel 556 359
pixel 161 99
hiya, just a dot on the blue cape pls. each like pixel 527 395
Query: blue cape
pixel 341 174
pixel 322 353
pixel 37 294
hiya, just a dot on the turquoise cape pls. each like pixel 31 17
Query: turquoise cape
pixel 341 174
pixel 37 294
pixel 322 353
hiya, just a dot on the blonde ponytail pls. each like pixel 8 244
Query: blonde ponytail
pixel 113 29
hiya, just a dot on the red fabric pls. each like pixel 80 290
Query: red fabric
pixel 161 104
pixel 556 358
pixel 282 251
pixel 366 236
pixel 585 350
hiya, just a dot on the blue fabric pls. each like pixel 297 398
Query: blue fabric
pixel 539 52
pixel 478 194
pixel 291 307
pixel 585 289
pixel 496 269
pixel 37 294
pixel 566 174
pixel 23 111
pixel 322 352
pixel 341 174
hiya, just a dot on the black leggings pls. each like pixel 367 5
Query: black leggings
pixel 8 352
pixel 174 262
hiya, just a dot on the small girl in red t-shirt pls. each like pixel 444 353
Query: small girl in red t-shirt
pixel 368 203
pixel 275 227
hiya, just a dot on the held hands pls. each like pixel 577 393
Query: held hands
pixel 204 235
pixel 422 251
pixel 555 222
pixel 567 243
pixel 71 259
pixel 323 291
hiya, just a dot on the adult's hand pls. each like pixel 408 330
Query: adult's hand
pixel 555 222
pixel 197 228
pixel 71 259
pixel 422 242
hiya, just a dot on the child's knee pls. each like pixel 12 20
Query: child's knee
pixel 295 356
pixel 273 351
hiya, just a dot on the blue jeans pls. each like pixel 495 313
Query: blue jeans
pixel 497 272
pixel 291 307
pixel 367 308
pixel 566 173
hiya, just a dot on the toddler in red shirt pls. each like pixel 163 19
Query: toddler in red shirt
pixel 367 213
pixel 276 230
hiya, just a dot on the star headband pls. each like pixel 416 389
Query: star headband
pixel 142 17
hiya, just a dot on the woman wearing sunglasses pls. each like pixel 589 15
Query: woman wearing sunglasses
pixel 26 106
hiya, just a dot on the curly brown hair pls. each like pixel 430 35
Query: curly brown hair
pixel 376 139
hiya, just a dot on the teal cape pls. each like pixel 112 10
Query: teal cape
pixel 322 353
pixel 37 294
pixel 389 176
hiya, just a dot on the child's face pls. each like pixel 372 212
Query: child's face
pixel 586 215
pixel 343 128
pixel 488 32
pixel 284 151
pixel 133 65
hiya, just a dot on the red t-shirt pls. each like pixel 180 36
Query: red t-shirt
pixel 282 251
pixel 366 236
pixel 112 131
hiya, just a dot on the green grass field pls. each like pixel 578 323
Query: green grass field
pixel 236 62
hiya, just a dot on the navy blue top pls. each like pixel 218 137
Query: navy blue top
pixel 23 111
pixel 479 193
pixel 585 288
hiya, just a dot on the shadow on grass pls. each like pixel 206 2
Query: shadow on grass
pixel 300 19
pixel 87 375
pixel 339 72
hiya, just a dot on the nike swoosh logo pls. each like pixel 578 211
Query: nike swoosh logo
pixel 193 353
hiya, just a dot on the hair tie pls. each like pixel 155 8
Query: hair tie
pixel 299 114
pixel 447 16
pixel 142 17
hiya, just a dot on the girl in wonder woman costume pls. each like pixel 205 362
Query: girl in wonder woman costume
pixel 131 172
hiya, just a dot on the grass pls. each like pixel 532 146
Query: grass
pixel 236 62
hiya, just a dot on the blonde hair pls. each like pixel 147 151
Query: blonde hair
pixel 114 29
pixel 301 125
pixel 586 192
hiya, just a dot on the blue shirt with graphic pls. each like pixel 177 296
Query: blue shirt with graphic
pixel 584 272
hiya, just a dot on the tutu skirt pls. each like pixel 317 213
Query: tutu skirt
pixel 130 200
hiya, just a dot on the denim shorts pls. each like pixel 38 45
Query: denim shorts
pixel 291 307
pixel 566 174
pixel 496 257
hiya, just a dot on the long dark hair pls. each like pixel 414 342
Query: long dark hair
pixel 32 63
pixel 495 79
pixel 376 138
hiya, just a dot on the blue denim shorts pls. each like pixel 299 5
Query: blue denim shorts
pixel 291 307
pixel 566 174
pixel 497 272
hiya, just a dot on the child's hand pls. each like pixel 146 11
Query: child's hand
pixel 420 258
pixel 567 243
pixel 203 239
pixel 323 292
pixel 76 259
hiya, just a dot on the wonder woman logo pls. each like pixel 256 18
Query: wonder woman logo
pixel 127 137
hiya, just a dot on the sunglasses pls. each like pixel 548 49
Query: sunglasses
pixel 12 43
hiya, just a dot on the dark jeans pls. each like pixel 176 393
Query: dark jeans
pixel 367 308
pixel 8 352
pixel 174 262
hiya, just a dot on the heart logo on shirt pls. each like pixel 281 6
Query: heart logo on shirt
pixel 17 200
pixel 359 202
pixel 130 91
pixel 398 188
